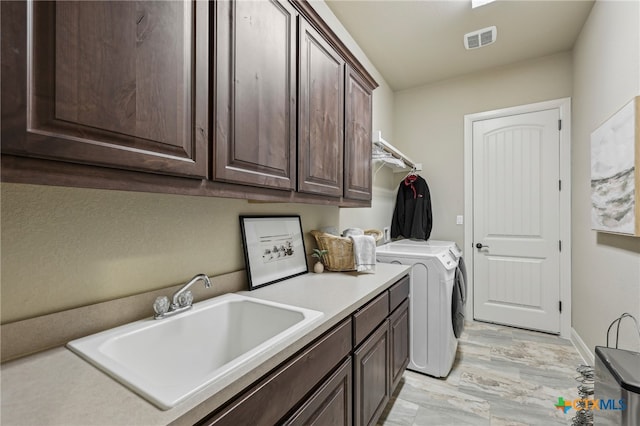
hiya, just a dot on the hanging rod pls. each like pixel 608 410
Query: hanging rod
pixel 391 151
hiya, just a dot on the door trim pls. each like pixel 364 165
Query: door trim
pixel 563 106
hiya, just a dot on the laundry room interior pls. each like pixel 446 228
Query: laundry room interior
pixel 87 245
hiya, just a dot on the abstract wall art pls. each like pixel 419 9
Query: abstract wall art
pixel 615 172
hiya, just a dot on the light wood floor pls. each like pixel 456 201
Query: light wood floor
pixel 501 376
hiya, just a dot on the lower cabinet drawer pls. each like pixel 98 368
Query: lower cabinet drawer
pixel 367 318
pixel 278 393
pixel 331 404
pixel 399 292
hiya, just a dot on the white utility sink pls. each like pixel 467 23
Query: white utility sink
pixel 212 344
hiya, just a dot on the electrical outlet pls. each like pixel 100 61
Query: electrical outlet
pixel 387 234
pixel 459 220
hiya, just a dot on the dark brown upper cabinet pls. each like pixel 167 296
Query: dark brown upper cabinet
pixel 321 115
pixel 255 96
pixel 233 98
pixel 112 83
pixel 357 137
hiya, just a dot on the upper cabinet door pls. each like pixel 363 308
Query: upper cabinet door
pixel 113 83
pixel 255 116
pixel 357 138
pixel 321 115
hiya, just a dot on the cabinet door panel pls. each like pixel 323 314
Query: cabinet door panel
pixel 357 140
pixel 113 83
pixel 371 374
pixel 331 404
pixel 256 93
pixel 399 352
pixel 321 115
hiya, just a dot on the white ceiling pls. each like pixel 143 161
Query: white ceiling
pixel 413 43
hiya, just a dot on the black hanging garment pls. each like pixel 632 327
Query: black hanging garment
pixel 412 217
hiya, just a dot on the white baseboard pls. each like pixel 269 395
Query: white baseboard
pixel 587 356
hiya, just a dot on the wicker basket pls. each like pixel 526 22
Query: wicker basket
pixel 339 255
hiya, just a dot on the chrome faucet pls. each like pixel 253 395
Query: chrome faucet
pixel 182 299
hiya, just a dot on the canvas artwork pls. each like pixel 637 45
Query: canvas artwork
pixel 614 183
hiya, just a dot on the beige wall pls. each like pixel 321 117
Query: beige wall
pixel 69 247
pixel 429 124
pixel 606 268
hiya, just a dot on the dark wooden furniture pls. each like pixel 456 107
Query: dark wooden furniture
pixel 357 137
pixel 186 98
pixel 371 360
pixel 399 338
pixel 399 329
pixel 372 377
pixel 344 377
pixel 321 115
pixel 367 318
pixel 114 84
pixel 380 360
pixel 331 404
pixel 255 114
pixel 268 401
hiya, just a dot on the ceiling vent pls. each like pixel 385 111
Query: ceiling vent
pixel 480 38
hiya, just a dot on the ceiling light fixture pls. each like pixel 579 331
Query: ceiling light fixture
pixel 478 3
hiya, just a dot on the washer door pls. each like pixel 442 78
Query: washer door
pixel 463 270
pixel 457 304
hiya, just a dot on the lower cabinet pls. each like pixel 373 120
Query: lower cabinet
pixel 331 404
pixel 269 401
pixel 372 379
pixel 380 359
pixel 345 377
pixel 399 337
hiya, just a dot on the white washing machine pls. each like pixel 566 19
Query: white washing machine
pixel 433 343
pixel 461 283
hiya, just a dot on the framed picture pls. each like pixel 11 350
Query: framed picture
pixel 615 175
pixel 273 248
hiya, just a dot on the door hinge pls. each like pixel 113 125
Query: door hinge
pixel 559 124
pixel 560 185
pixel 560 305
pixel 559 245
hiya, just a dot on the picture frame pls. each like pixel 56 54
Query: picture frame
pixel 273 248
pixel 615 172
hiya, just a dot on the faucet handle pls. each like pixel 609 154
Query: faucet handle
pixel 161 305
pixel 185 299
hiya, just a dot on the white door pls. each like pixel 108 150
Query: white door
pixel 516 222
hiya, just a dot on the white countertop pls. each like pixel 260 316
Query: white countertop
pixel 57 387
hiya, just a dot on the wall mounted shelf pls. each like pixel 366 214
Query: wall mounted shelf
pixel 391 156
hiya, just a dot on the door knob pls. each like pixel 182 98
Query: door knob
pixel 480 246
